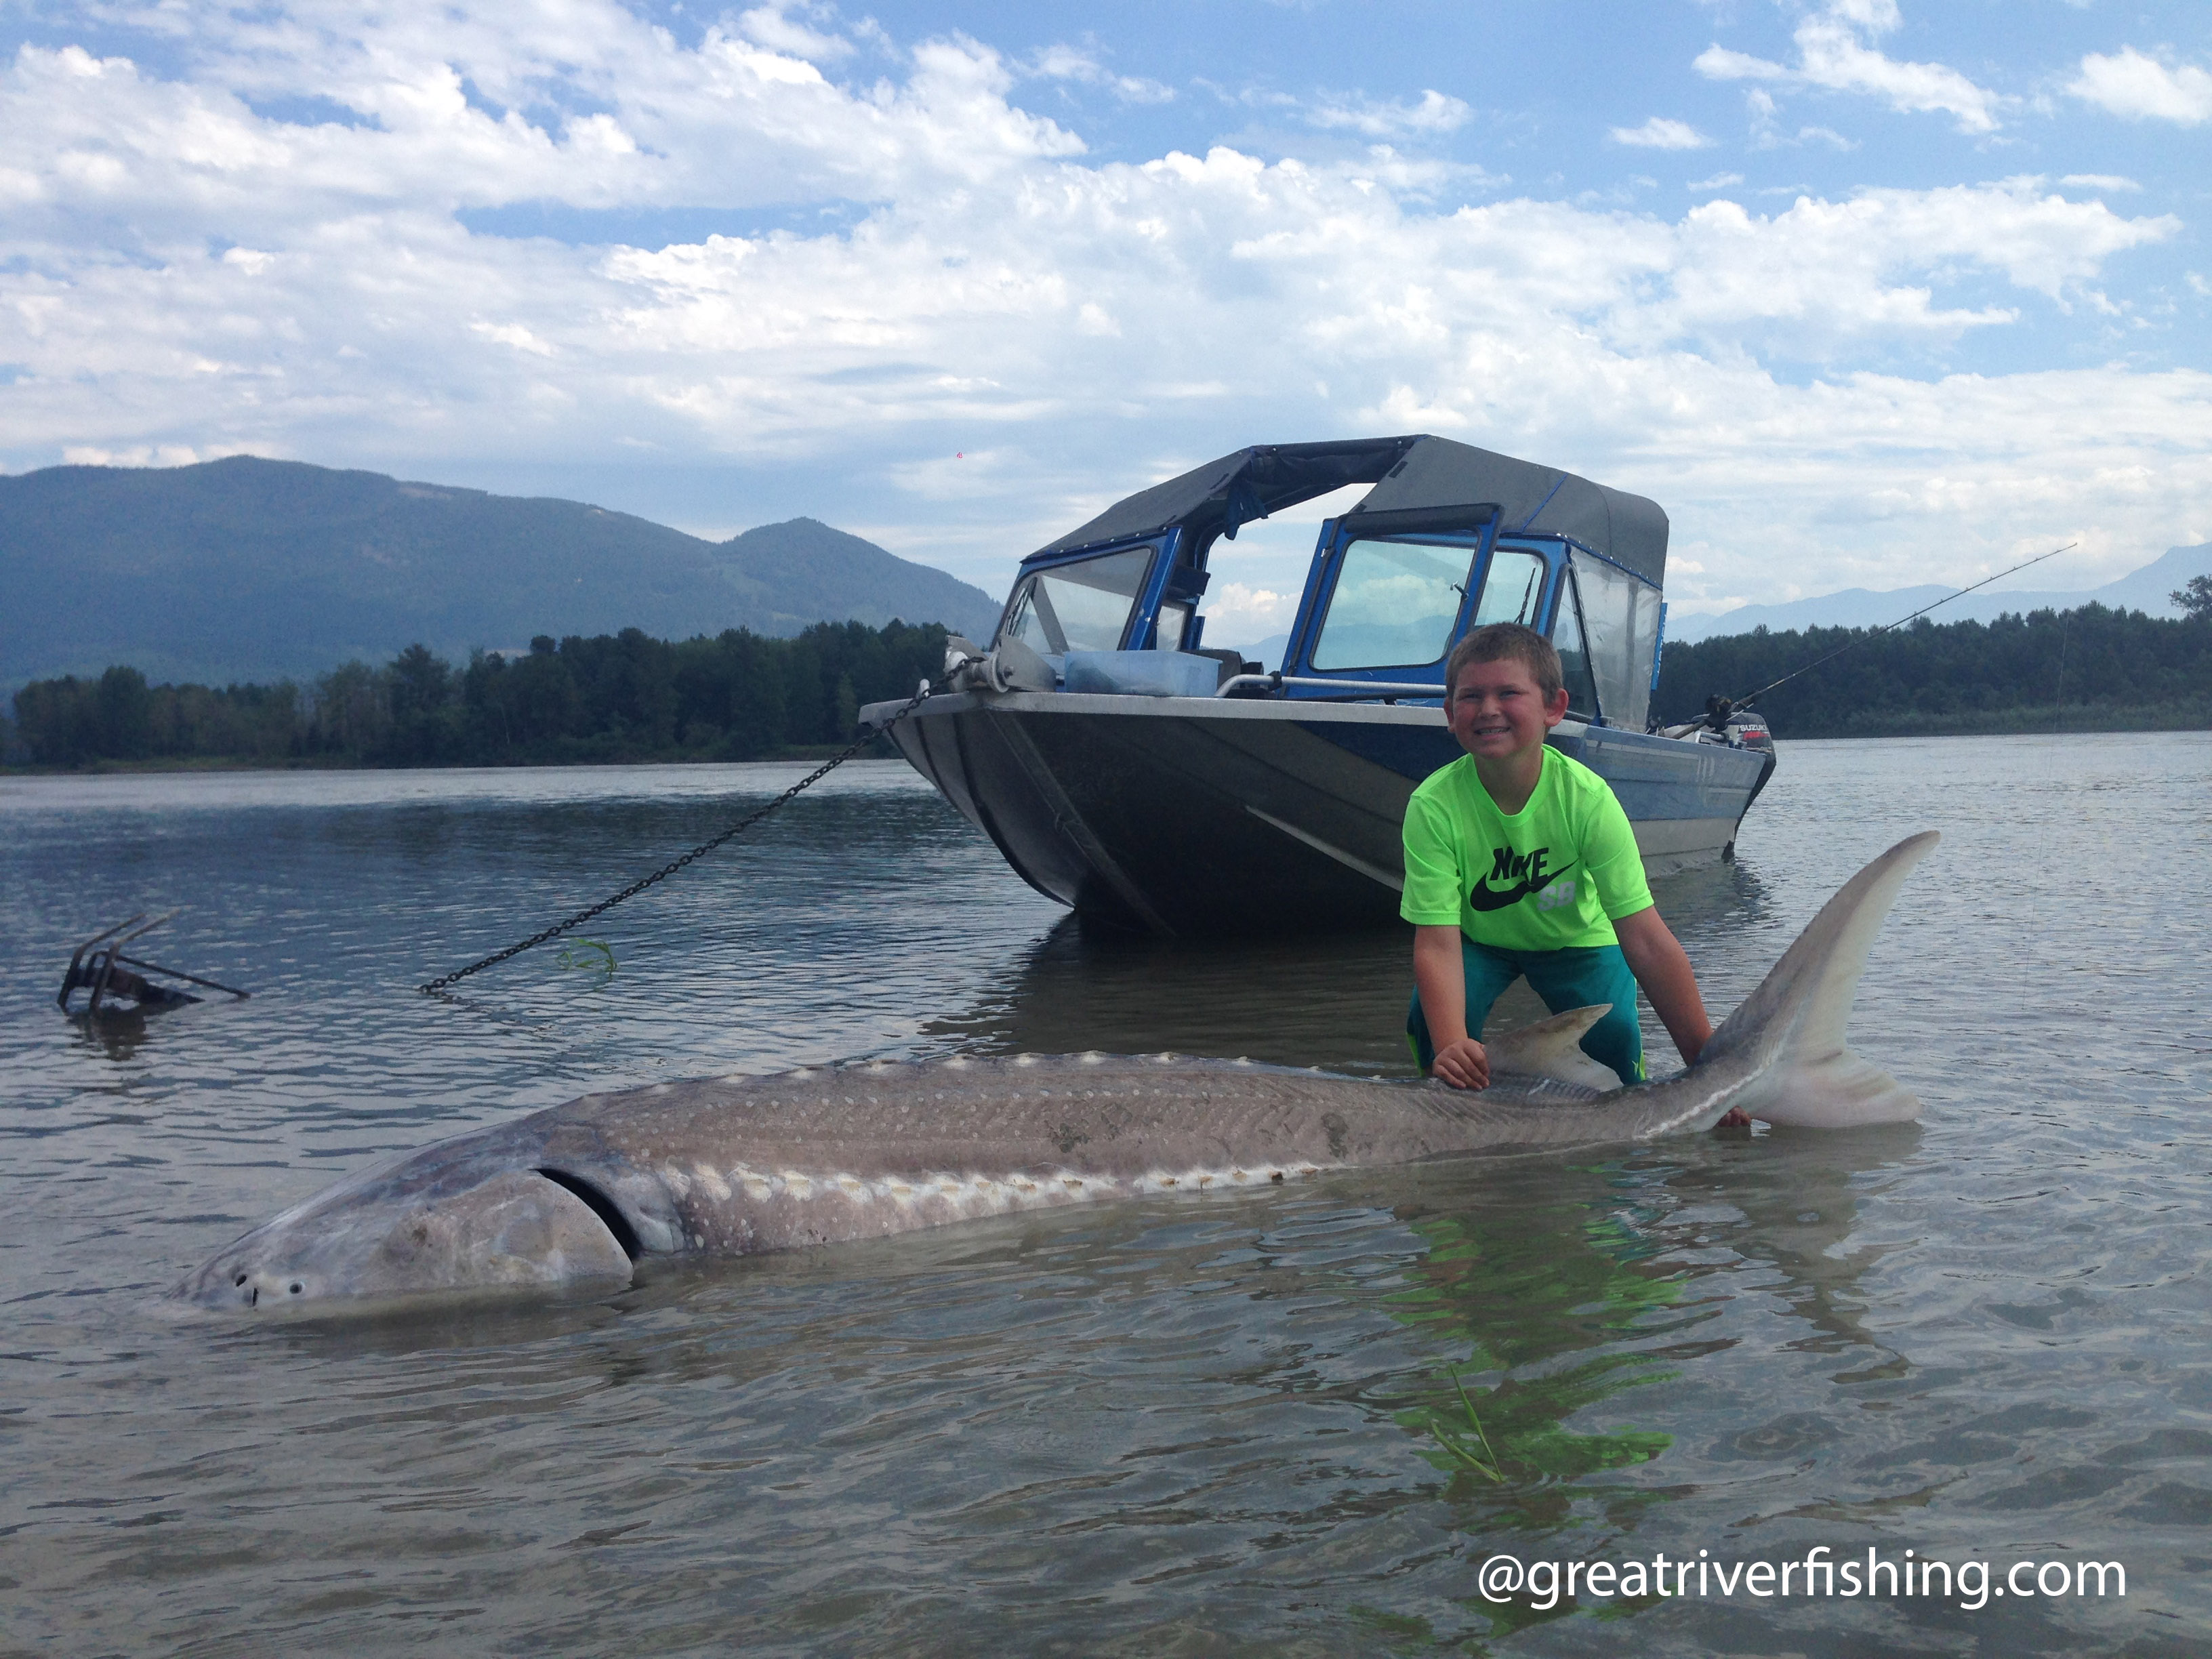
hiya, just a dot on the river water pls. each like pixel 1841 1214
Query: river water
pixel 1186 1426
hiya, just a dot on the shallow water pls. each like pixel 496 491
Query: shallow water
pixel 1189 1426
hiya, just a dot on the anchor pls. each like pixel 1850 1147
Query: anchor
pixel 100 967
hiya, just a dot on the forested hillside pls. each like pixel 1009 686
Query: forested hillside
pixel 2086 668
pixel 611 697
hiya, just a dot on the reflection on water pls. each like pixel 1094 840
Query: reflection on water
pixel 1284 1002
pixel 1196 1425
pixel 1337 1002
pixel 116 1032
pixel 1799 1200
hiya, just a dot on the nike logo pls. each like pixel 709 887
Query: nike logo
pixel 1528 868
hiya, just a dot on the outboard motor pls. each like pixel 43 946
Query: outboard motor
pixel 1737 724
pixel 1747 729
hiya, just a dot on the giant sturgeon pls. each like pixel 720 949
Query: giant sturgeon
pixel 574 1196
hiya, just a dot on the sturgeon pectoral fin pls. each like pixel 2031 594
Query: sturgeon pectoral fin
pixel 1552 1048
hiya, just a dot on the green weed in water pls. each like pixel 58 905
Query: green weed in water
pixel 1453 1438
pixel 587 953
pixel 1534 1303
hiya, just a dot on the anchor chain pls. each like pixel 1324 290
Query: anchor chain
pixel 436 988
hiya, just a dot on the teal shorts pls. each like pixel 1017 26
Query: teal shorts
pixel 1578 978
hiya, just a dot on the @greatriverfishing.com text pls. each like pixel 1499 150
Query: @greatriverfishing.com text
pixel 1543 1585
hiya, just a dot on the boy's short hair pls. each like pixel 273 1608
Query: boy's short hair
pixel 1508 643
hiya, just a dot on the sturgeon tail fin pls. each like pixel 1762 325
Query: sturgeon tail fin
pixel 1792 1026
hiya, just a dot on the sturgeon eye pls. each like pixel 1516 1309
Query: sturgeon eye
pixel 297 1287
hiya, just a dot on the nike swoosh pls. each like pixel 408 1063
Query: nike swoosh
pixel 1485 897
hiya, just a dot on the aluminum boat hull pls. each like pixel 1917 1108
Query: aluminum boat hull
pixel 1189 816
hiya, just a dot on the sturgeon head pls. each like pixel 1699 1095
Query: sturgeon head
pixel 470 1214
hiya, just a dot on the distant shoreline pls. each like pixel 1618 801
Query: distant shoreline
pixel 796 753
pixel 2077 720
pixel 2031 723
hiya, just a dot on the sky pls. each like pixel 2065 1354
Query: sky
pixel 1864 293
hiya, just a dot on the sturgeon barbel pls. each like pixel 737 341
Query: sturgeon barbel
pixel 575 1196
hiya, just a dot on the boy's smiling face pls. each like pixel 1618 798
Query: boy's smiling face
pixel 1497 713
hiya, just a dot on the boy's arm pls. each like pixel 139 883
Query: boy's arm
pixel 1661 968
pixel 1441 975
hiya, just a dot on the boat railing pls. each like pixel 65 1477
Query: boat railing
pixel 1355 690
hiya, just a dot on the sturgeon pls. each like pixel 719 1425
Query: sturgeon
pixel 574 1196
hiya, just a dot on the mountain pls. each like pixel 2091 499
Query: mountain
pixel 251 569
pixel 782 570
pixel 1856 607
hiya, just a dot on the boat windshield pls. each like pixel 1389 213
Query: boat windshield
pixel 1621 620
pixel 1083 607
pixel 1512 591
pixel 1394 604
pixel 1574 654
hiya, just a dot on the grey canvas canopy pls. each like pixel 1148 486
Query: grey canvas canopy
pixel 1418 480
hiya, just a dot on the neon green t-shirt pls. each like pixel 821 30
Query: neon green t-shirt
pixel 1554 876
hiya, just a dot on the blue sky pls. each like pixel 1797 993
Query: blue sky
pixel 1865 292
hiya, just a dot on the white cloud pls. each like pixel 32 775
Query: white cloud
pixel 1064 63
pixel 514 334
pixel 1766 131
pixel 1071 328
pixel 728 121
pixel 1238 613
pixel 1660 133
pixel 138 455
pixel 1831 54
pixel 772 26
pixel 1718 181
pixel 2100 181
pixel 1432 112
pixel 2140 88
pixel 1827 136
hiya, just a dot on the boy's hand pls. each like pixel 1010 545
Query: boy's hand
pixel 1464 1065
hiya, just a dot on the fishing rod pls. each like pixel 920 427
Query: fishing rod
pixel 1720 708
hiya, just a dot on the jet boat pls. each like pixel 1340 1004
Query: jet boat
pixel 1126 769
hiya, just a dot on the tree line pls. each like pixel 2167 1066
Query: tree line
pixel 624 697
pixel 740 695
pixel 2088 667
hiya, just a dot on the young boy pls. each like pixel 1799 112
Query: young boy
pixel 1520 861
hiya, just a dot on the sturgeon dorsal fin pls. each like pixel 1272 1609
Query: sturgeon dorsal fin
pixel 1552 1048
pixel 1793 1023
